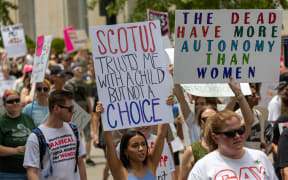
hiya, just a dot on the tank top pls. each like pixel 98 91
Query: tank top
pixel 148 176
pixel 198 151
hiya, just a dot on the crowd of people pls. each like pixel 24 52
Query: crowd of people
pixel 38 140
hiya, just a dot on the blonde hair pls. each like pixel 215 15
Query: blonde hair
pixel 216 123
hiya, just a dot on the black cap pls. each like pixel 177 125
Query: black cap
pixel 57 71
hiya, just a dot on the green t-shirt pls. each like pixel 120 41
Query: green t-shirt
pixel 198 151
pixel 14 132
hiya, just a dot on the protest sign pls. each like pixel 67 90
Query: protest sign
pixel 79 39
pixel 267 92
pixel 212 45
pixel 41 58
pixel 162 17
pixel 214 90
pixel 131 75
pixel 14 40
pixel 80 117
pixel 67 41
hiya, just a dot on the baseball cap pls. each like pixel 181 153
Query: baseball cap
pixel 283 81
pixel 57 71
pixel 27 68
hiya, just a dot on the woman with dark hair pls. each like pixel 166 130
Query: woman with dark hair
pixel 15 128
pixel 135 162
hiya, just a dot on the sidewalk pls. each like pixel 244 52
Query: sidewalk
pixel 95 173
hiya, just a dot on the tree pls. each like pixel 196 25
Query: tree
pixel 4 12
pixel 139 13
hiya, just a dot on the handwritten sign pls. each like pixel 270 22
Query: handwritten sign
pixel 212 45
pixel 214 90
pixel 162 17
pixel 67 40
pixel 80 117
pixel 41 58
pixel 131 75
pixel 79 39
pixel 14 40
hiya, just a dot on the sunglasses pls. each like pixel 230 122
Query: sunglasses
pixel 69 108
pixel 232 133
pixel 204 118
pixel 40 89
pixel 12 101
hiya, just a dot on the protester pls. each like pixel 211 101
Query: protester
pixel 15 71
pixel 282 164
pixel 82 57
pixel 225 136
pixel 254 139
pixel 15 128
pixel 38 109
pixel 30 56
pixel 198 149
pixel 275 106
pixel 58 162
pixel 19 83
pixel 81 91
pixel 135 162
pixel 58 78
pixel 5 69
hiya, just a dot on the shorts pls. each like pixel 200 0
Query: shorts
pixel 13 176
pixel 176 158
pixel 87 132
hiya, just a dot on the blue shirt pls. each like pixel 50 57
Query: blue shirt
pixel 148 176
pixel 39 112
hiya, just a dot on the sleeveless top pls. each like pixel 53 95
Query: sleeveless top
pixel 198 151
pixel 148 176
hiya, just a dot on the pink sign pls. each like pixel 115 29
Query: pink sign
pixel 40 41
pixel 68 43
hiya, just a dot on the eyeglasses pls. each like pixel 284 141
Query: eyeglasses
pixel 12 101
pixel 232 133
pixel 204 118
pixel 69 108
pixel 40 89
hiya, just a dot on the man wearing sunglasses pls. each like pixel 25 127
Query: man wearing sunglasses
pixel 63 158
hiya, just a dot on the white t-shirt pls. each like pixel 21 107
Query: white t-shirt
pixel 62 149
pixel 166 163
pixel 253 165
pixel 274 108
pixel 194 129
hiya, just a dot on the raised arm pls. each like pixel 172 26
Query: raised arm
pixel 156 152
pixel 244 106
pixel 180 96
pixel 114 162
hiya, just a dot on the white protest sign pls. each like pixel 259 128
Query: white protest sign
pixel 14 40
pixel 212 45
pixel 131 75
pixel 79 39
pixel 214 90
pixel 267 92
pixel 41 58
pixel 80 117
pixel 176 143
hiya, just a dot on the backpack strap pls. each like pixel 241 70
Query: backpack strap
pixel 42 144
pixel 75 131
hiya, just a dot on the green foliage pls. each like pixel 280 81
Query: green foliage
pixel 4 12
pixel 57 45
pixel 29 43
pixel 140 12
